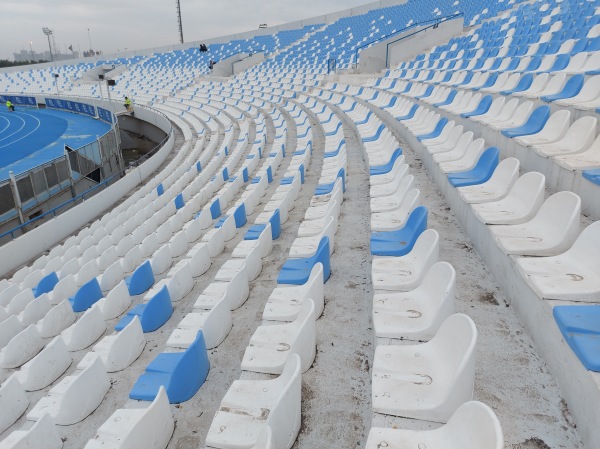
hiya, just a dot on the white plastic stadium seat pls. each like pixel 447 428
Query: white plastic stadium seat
pixel 551 232
pixel 43 434
pixel 241 418
pixel 570 276
pixel 75 397
pixel 519 206
pixel 427 381
pixel 270 346
pixel 419 313
pixel 137 428
pixel 473 425
pixel 406 273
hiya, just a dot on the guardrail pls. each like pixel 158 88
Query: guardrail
pixel 432 23
pixel 39 184
pixel 21 229
pixel 44 182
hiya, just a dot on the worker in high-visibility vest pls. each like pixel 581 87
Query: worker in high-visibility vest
pixel 10 106
pixel 128 104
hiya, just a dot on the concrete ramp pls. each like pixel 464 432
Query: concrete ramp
pixel 237 63
pixel 108 70
pixel 406 45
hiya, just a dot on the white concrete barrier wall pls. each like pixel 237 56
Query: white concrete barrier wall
pixel 378 57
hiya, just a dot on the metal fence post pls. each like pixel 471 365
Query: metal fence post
pixel 16 196
pixel 71 181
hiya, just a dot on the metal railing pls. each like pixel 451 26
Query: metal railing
pixel 433 23
pixel 38 184
pixel 57 172
pixel 21 229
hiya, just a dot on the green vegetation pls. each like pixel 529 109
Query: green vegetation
pixel 7 63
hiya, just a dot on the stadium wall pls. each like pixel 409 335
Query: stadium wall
pixel 326 18
pixel 31 244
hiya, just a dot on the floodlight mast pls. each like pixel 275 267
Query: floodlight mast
pixel 179 23
pixel 48 32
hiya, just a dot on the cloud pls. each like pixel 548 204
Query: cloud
pixel 139 24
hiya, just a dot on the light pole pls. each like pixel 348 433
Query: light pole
pixel 90 39
pixel 31 48
pixel 48 32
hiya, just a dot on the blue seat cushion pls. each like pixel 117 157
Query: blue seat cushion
pixel 399 243
pixel 87 295
pixel 481 173
pixel 580 327
pixel 253 233
pixel 592 176
pixel 297 271
pixel 387 167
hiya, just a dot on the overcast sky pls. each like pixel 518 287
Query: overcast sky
pixel 137 24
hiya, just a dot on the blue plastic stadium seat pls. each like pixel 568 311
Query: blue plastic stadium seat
pixel 560 63
pixel 592 175
pixel 141 279
pixel 332 133
pixel 447 101
pixel 489 82
pixel 386 168
pixel 254 231
pixel 410 113
pixel 436 132
pixel 179 203
pixel 87 295
pixel 572 88
pixel 244 175
pixel 240 216
pixel 215 209
pixel 523 84
pixel 427 92
pixel 199 166
pixel 219 223
pixel 376 136
pixel 301 170
pixel 181 373
pixel 160 189
pixel 482 172
pixel 580 327
pixel 400 242
pixel 337 150
pixel 153 314
pixel 466 80
pixel 482 107
pixel 46 284
pixel 297 271
pixel 391 103
pixel 324 189
pixel 534 123
pixel 269 176
pixel 447 77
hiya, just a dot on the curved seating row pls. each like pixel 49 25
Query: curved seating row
pixel 414 300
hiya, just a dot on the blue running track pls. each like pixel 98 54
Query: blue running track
pixel 30 137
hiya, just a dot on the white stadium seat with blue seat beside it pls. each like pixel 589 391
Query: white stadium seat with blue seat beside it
pixel 348 230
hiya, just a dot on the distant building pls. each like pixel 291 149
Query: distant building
pixel 24 56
